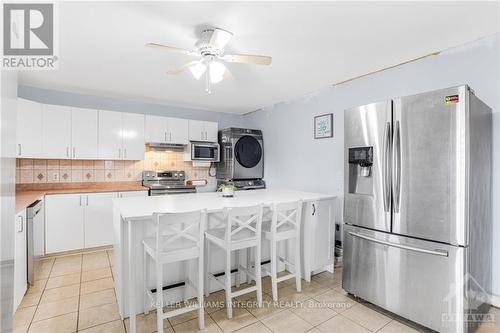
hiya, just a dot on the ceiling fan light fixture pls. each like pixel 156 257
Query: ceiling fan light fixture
pixel 217 71
pixel 198 70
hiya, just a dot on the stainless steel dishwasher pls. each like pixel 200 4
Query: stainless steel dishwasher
pixel 35 223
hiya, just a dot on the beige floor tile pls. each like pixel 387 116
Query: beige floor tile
pixel 291 296
pixel 312 288
pixel 257 327
pixel 335 301
pixel 314 330
pixel 37 287
pixel 96 285
pixel 98 298
pixel 215 301
pixel 96 274
pixel 44 269
pixel 56 294
pixel 110 257
pixel 96 260
pixel 241 318
pixel 49 310
pixel 147 323
pixel 67 265
pixel 60 324
pixel 63 281
pixel 20 329
pixel 340 324
pixel 286 321
pixel 268 308
pixel 397 327
pixel 30 300
pixel 313 312
pixel 192 326
pixel 98 315
pixel 112 327
pixel 183 317
pixel 23 317
pixel 366 317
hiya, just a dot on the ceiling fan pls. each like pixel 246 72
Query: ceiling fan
pixel 210 49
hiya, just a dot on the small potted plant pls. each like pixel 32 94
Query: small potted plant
pixel 227 190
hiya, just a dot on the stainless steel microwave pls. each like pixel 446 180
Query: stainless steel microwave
pixel 204 151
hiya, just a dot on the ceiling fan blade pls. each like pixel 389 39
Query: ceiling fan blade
pixel 171 49
pixel 248 59
pixel 182 68
pixel 220 38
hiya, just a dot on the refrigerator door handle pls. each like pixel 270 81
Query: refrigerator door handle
pixel 442 253
pixel 386 170
pixel 396 167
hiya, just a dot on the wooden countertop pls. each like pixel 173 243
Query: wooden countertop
pixel 26 194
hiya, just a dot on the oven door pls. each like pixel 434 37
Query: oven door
pixel 205 151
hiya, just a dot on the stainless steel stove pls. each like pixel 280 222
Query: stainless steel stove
pixel 166 182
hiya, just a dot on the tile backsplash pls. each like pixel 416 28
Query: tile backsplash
pixel 75 171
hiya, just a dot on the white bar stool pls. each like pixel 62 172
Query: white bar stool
pixel 242 231
pixel 285 225
pixel 178 237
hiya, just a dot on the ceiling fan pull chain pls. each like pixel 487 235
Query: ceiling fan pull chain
pixel 207 81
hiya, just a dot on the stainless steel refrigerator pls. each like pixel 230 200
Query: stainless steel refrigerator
pixel 417 207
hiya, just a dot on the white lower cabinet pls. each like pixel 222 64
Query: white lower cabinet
pixel 98 219
pixel 77 221
pixel 64 217
pixel 20 259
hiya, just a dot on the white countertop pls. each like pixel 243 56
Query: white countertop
pixel 139 207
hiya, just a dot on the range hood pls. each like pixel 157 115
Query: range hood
pixel 161 146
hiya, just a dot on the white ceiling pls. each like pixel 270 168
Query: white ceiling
pixel 313 45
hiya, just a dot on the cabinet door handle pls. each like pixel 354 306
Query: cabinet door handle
pixel 125 153
pixel 80 200
pixel 67 151
pixel 314 209
pixel 86 200
pixel 20 228
pixel 165 136
pixel 202 135
pixel 19 149
pixel 74 152
pixel 170 134
pixel 119 153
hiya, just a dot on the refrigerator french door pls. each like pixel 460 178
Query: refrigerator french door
pixel 417 207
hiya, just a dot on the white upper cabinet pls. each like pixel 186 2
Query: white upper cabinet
pixel 156 129
pixel 121 135
pixel 110 135
pixel 29 129
pixel 177 131
pixel 84 133
pixel 56 131
pixel 133 136
pixel 211 131
pixel 166 130
pixel 203 130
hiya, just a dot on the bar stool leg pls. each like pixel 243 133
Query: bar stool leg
pixel 145 280
pixel 207 268
pixel 229 302
pixel 237 275
pixel 249 263
pixel 297 264
pixel 201 276
pixel 258 274
pixel 274 275
pixel 159 297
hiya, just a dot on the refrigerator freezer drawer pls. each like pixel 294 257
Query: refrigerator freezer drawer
pixel 416 279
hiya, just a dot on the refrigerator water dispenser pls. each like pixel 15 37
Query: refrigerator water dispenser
pixel 360 169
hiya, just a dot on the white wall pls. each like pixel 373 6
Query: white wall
pixel 8 100
pixel 294 159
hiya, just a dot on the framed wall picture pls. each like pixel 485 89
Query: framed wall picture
pixel 323 126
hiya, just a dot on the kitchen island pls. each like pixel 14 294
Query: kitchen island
pixel 132 217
